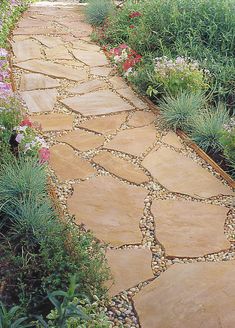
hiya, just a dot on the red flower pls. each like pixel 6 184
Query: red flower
pixel 128 64
pixel 26 122
pixel 135 14
pixel 132 26
pixel 44 155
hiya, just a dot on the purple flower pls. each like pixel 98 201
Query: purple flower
pixel 3 52
pixel 19 137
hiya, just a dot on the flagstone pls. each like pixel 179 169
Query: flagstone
pixel 82 45
pixel 54 121
pixel 189 295
pixel 30 22
pixel 101 71
pixel 90 58
pixel 39 100
pixel 54 70
pixel 189 229
pixel 80 33
pixel 33 81
pixel 59 52
pixel 181 174
pixel 118 82
pixel 120 167
pixel 34 31
pixel 68 38
pixel 105 125
pixel 49 41
pixel 129 94
pixel 128 267
pixel 89 86
pixel 70 62
pixel 26 49
pixel 172 139
pixel 110 208
pixel 133 141
pixel 67 165
pixel 82 140
pixel 97 103
pixel 140 118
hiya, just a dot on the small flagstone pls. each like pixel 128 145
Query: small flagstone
pixel 172 140
pixel 30 22
pixel 33 81
pixel 39 100
pixel 133 264
pixel 78 44
pixel 34 31
pixel 70 62
pixel 59 52
pixel 54 121
pixel 67 165
pixel 49 41
pixel 129 94
pixel 26 49
pixel 140 118
pixel 118 82
pixel 101 71
pixel 90 58
pixel 89 86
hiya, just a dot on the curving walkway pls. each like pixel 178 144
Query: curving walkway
pixel 167 217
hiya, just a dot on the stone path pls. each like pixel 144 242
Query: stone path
pixel 167 217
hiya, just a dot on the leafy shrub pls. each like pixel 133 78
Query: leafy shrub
pixel 178 112
pixel 207 126
pixel 98 10
pixel 11 317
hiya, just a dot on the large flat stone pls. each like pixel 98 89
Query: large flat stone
pixel 101 71
pixel 110 208
pixel 59 52
pixel 118 82
pixel 26 49
pixel 34 31
pixel 133 141
pixel 90 58
pixel 34 81
pixel 97 103
pixel 196 295
pixel 105 125
pixel 89 86
pixel 54 70
pixel 39 100
pixel 49 41
pixel 172 139
pixel 82 140
pixel 140 118
pixel 128 267
pixel 181 174
pixel 121 167
pixel 129 94
pixel 74 62
pixel 54 121
pixel 82 45
pixel 190 229
pixel 30 22
pixel 67 165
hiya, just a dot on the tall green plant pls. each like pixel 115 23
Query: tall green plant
pixel 98 10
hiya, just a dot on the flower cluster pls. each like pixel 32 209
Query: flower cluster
pixel 125 58
pixel 5 85
pixel 29 142
pixel 133 15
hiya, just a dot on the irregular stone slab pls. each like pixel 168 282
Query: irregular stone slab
pixel 133 141
pixel 118 82
pixel 59 52
pixel 128 267
pixel 101 71
pixel 190 229
pixel 78 44
pixel 172 139
pixel 181 174
pixel 68 38
pixel 97 103
pixel 54 70
pixel 141 119
pixel 121 167
pixel 82 140
pixel 34 81
pixel 105 125
pixel 34 31
pixel 26 49
pixel 89 86
pixel 90 58
pixel 67 165
pixel 54 122
pixel 30 22
pixel 110 208
pixel 49 41
pixel 129 94
pixel 189 295
pixel 70 62
pixel 39 100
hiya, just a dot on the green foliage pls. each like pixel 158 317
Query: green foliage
pixel 179 112
pixel 98 10
pixel 227 141
pixel 206 127
pixel 11 318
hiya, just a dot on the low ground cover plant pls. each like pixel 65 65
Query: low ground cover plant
pixel 98 10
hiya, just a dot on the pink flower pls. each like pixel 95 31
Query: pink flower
pixel 26 122
pixel 44 155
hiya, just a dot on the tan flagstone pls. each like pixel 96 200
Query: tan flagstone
pixel 133 141
pixel 110 208
pixel 82 45
pixel 70 62
pixel 90 58
pixel 33 81
pixel 34 31
pixel 129 94
pixel 67 165
pixel 30 22
pixel 181 174
pixel 105 125
pixel 54 70
pixel 97 103
pixel 189 295
pixel 172 139
pixel 26 49
pixel 189 229
pixel 101 71
pixel 118 82
pixel 89 86
pixel 59 52
pixel 82 140
pixel 140 118
pixel 120 167
pixel 128 267
pixel 49 41
pixel 39 100
pixel 54 121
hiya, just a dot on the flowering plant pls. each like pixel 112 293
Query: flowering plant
pixel 172 76
pixel 125 58
pixel 5 85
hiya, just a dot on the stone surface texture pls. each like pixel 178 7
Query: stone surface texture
pixel 129 94
pixel 172 139
pixel 53 122
pixel 39 100
pixel 89 86
pixel 140 118
pixel 82 140
pixel 26 49
pixel 90 58
pixel 34 81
